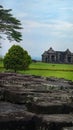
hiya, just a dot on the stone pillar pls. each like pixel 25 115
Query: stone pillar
pixel 44 58
pixel 66 59
pixel 58 58
pixel 50 58
pixel 71 58
pixel 55 58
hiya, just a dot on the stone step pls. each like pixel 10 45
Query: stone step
pixel 50 108
pixel 13 116
pixel 16 117
pixel 57 121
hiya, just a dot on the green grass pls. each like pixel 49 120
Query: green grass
pixel 45 69
pixel 48 73
pixel 55 70
pixel 1 66
pixel 40 65
pixel 1 63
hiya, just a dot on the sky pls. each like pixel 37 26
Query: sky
pixel 46 23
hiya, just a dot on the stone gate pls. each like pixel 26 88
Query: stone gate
pixel 52 56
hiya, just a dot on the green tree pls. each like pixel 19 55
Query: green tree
pixel 9 25
pixel 17 58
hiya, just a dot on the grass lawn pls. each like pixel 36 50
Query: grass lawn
pixel 48 73
pixel 41 65
pixel 45 69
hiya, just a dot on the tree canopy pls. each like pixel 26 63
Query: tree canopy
pixel 9 25
pixel 17 58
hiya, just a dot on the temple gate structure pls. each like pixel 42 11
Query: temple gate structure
pixel 52 56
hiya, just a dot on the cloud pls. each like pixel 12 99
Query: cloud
pixel 21 14
pixel 53 24
pixel 62 25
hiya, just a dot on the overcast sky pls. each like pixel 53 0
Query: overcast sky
pixel 46 23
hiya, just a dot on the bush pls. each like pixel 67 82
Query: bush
pixel 1 58
pixel 17 58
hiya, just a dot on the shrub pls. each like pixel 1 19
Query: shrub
pixel 17 58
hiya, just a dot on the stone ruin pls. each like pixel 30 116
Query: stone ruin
pixel 52 56
pixel 35 103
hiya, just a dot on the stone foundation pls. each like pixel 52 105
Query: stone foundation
pixel 36 103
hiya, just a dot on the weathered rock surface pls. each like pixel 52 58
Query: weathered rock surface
pixel 13 116
pixel 34 101
pixel 68 128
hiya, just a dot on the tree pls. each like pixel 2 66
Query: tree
pixel 17 58
pixel 9 25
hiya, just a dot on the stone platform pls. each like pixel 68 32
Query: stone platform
pixel 38 102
